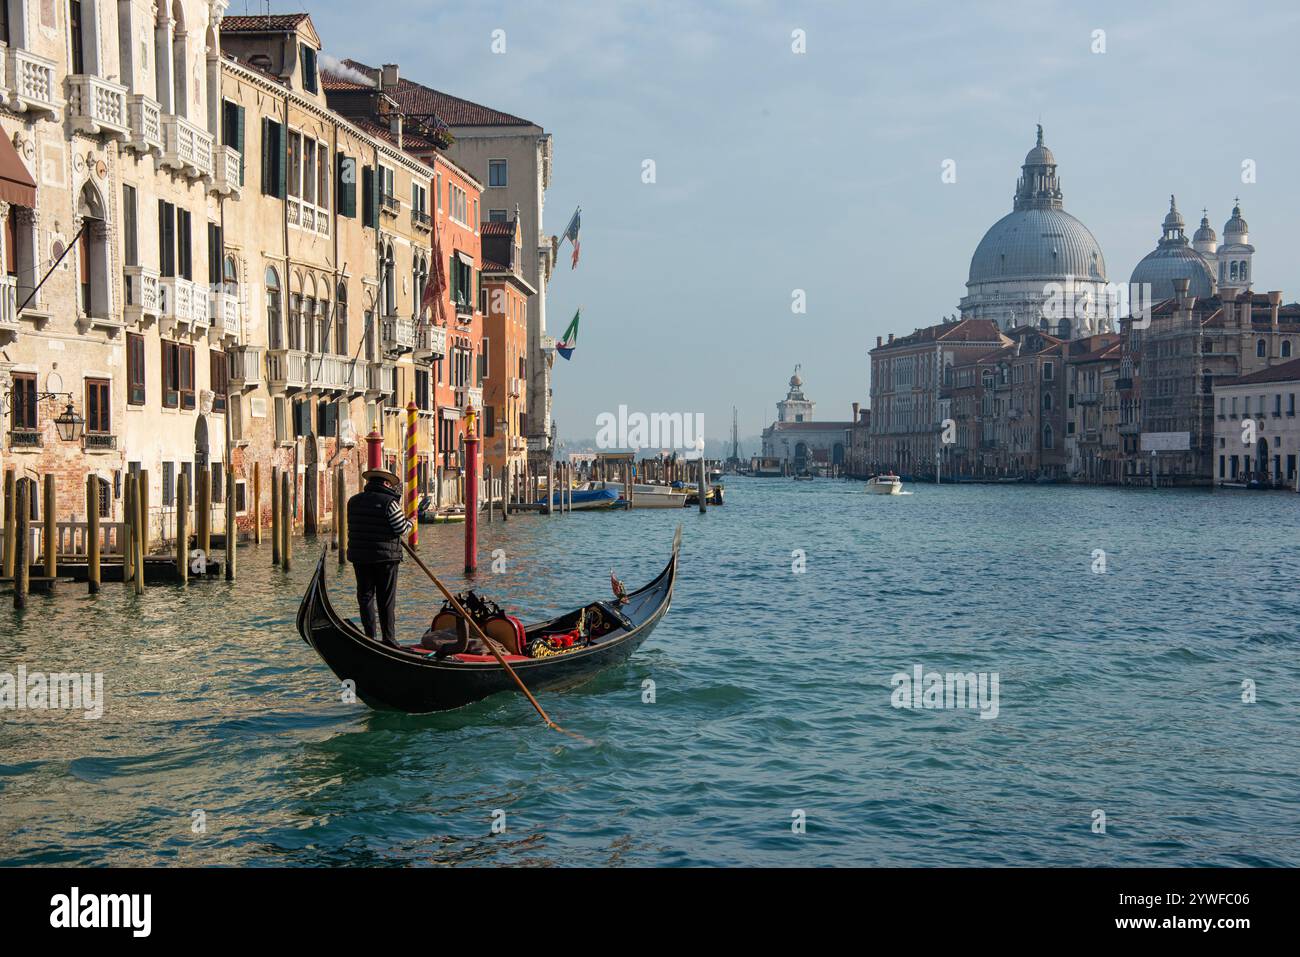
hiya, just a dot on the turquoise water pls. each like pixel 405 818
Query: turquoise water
pixel 1119 692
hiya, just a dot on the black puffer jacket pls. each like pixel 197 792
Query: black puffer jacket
pixel 376 525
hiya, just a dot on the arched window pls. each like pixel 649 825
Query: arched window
pixel 230 276
pixel 275 331
pixel 92 254
pixel 1261 349
pixel 341 319
pixel 1048 438
pixel 1047 402
pixel 1244 270
pixel 1232 269
pixel 1286 348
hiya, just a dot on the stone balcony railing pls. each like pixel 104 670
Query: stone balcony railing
pixel 286 369
pixel 331 373
pixel 31 83
pixel 186 148
pixel 227 165
pixel 430 342
pixel 381 378
pixel 97 106
pixel 8 306
pixel 142 295
pixel 224 315
pixel 397 334
pixel 181 304
pixel 145 119
pixel 469 398
pixel 244 367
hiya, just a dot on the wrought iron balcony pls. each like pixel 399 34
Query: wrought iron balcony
pixel 143 297
pixel 1087 398
pixel 430 342
pixel 25 439
pixel 31 82
pixel 516 387
pixel 286 369
pixel 97 106
pixel 464 310
pixel 145 119
pixel 186 148
pixel 227 166
pixel 390 204
pixel 99 442
pixel 421 220
pixel 397 334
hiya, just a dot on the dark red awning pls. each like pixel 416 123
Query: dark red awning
pixel 16 184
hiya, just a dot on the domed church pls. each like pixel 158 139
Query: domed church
pixel 1209 266
pixel 1024 253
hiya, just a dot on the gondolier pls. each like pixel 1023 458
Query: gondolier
pixel 376 525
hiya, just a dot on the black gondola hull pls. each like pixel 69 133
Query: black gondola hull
pixel 391 679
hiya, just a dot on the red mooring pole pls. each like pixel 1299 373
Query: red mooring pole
pixel 374 450
pixel 471 493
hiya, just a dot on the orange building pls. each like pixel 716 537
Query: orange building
pixel 505 347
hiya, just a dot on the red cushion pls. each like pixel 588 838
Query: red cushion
pixel 492 658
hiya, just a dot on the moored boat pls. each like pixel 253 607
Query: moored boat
pixel 584 499
pixel 647 496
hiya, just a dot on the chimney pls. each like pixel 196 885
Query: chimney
pixel 879 339
pixel 1274 302
pixel 1229 298
pixel 1181 285
pixel 855 412
pixel 891 338
pixel 388 77
pixel 395 125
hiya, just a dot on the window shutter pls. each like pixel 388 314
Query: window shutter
pixel 367 197
pixel 454 273
pixel 283 155
pixel 239 140
pixel 266 157
pixel 347 186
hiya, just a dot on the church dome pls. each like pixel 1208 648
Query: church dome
pixel 1037 243
pixel 1235 226
pixel 1038 239
pixel 1173 258
pixel 1206 233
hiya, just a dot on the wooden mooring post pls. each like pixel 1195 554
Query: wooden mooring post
pixel 138 519
pixel 11 518
pixel 342 518
pixel 231 544
pixel 128 529
pixel 286 523
pixel 275 516
pixel 704 485
pixel 182 528
pixel 203 505
pixel 257 503
pixel 92 533
pixel 142 489
pixel 49 537
pixel 22 542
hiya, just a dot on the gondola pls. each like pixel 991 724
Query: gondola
pixel 413 681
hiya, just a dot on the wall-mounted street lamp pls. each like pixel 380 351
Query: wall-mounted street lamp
pixel 69 425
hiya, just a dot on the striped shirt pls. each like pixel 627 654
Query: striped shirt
pixel 397 520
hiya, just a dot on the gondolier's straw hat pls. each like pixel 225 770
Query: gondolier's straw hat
pixel 384 474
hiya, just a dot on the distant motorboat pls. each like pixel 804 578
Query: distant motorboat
pixel 583 499
pixel 885 484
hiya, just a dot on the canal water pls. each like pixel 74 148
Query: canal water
pixel 1124 628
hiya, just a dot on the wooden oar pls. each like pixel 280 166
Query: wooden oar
pixel 491 645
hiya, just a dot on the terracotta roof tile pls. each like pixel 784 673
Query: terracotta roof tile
pixel 1286 372
pixel 275 23
pixel 497 227
pixel 452 110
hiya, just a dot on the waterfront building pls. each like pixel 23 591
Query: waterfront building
pixel 1175 363
pixel 115 191
pixel 1036 251
pixel 511 157
pixel 800 442
pixel 1092 441
pixel 1256 432
pixel 907 376
pixel 505 347
pixel 1022 407
pixel 859 464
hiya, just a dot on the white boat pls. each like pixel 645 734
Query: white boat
pixel 648 496
pixel 885 484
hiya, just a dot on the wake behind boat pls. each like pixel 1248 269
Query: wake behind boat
pixel 413 680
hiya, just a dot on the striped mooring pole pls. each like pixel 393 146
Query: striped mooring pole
pixel 412 490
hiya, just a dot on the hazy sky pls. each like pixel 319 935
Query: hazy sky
pixel 821 171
